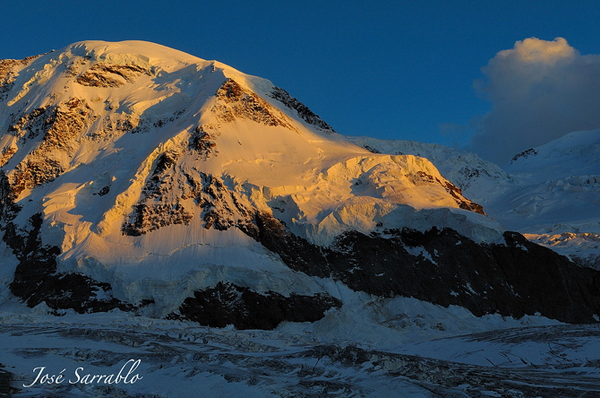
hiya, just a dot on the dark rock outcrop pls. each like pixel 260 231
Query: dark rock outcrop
pixel 59 128
pixel 236 102
pixel 445 268
pixel 5 382
pixel 524 155
pixel 7 75
pixel 155 210
pixel 202 142
pixel 453 190
pixel 111 75
pixel 149 217
pixel 228 304
pixel 302 110
pixel 37 280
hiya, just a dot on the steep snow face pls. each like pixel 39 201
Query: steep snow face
pixel 147 168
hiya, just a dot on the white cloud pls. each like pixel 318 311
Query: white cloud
pixel 539 91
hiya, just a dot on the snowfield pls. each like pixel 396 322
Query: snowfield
pixel 180 359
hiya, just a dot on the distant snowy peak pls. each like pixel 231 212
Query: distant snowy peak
pixel 556 203
pixel 576 153
pixel 559 185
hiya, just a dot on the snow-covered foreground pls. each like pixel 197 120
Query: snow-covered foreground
pixel 161 358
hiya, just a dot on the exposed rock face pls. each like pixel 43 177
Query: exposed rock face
pixel 149 217
pixel 160 206
pixel 6 80
pixel 105 75
pixel 445 268
pixel 59 128
pixel 202 142
pixel 238 102
pixel 8 209
pixel 306 114
pixel 524 155
pixel 452 189
pixel 227 304
pixel 31 125
pixel 6 379
pixel 37 280
pixel 222 208
pixel 7 77
pixel 156 210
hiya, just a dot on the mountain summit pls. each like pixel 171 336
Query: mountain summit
pixel 138 177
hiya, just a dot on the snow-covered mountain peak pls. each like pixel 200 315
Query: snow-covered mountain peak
pixel 578 150
pixel 153 181
pixel 129 52
pixel 121 154
pixel 556 202
pixel 150 119
pixel 559 186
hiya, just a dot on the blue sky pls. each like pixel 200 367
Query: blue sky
pixel 388 69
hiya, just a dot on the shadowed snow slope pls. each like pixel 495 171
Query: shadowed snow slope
pixel 138 177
